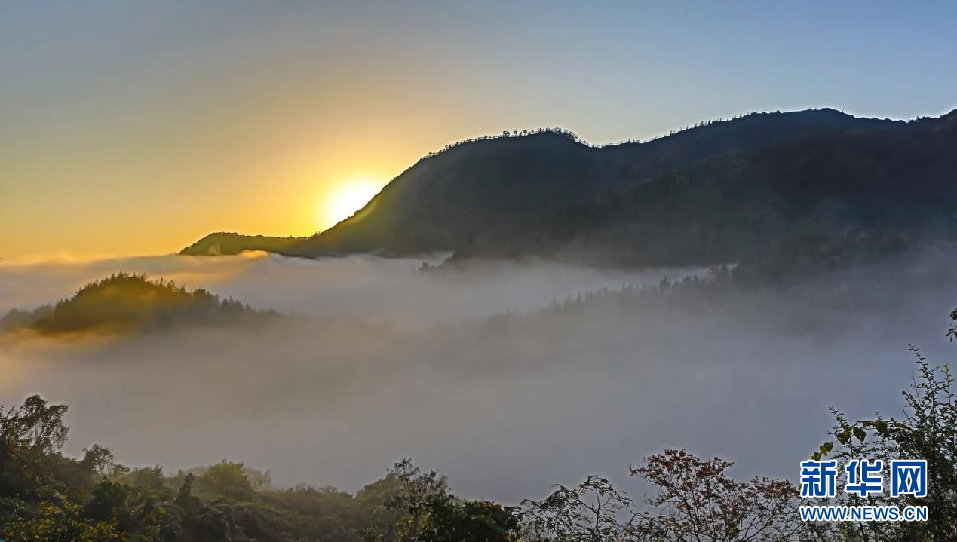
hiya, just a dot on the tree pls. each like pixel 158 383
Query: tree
pixel 36 425
pixel 31 437
pixel 57 521
pixel 429 513
pixel 697 500
pixel 227 479
pixel 927 430
pixel 99 459
pixel 592 511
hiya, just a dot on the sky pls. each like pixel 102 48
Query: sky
pixel 135 128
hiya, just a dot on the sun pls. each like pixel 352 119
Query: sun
pixel 346 200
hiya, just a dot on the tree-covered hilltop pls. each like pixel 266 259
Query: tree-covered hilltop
pixel 229 244
pixel 128 303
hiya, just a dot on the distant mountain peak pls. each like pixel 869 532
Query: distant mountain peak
pixel 229 243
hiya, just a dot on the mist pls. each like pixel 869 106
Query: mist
pixel 482 373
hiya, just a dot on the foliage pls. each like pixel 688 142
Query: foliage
pixel 926 430
pixel 427 512
pixel 593 510
pixel 125 303
pixel 30 438
pixel 45 496
pixel 61 521
pixel 696 500
pixel 781 193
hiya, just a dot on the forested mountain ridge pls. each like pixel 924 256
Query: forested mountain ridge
pixel 840 194
pixel 451 200
pixel 726 190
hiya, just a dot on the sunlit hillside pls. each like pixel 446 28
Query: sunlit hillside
pixel 124 303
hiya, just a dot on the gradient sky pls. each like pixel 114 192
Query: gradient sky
pixel 137 127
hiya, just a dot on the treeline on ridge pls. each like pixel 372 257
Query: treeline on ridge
pixel 126 303
pixel 777 192
pixel 229 244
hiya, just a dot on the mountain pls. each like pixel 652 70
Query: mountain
pixel 822 195
pixel 124 303
pixel 818 184
pixel 229 244
pixel 456 198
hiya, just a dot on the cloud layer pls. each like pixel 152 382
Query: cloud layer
pixel 394 362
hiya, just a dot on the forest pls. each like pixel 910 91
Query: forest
pixel 126 303
pixel 837 188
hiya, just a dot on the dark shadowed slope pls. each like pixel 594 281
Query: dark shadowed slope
pixel 824 197
pixel 815 185
pixel 452 200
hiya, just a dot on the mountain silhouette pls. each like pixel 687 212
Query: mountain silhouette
pixel 228 244
pixel 722 191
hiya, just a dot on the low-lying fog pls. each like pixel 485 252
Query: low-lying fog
pixel 397 363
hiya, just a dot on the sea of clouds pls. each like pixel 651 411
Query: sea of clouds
pixel 392 362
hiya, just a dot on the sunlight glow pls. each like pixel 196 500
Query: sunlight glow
pixel 346 200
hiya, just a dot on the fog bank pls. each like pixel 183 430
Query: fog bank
pixel 398 363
